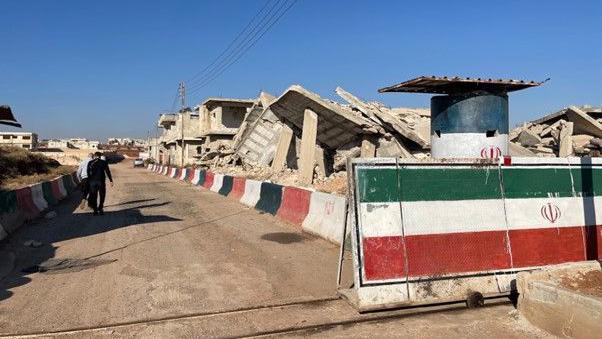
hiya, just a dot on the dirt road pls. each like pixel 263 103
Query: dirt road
pixel 168 259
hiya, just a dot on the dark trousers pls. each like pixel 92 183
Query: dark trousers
pixel 97 188
pixel 85 188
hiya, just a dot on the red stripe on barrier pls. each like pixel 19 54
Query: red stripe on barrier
pixel 238 188
pixel 439 254
pixel 547 246
pixel 190 174
pixel 295 205
pixel 25 203
pixel 593 242
pixel 208 179
pixel 56 191
pixel 383 258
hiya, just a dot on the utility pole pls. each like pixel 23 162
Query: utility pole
pixel 182 91
pixel 182 94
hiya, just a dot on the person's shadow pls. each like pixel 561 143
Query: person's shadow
pixel 69 225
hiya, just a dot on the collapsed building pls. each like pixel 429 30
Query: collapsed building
pixel 572 131
pixel 302 131
pixel 307 138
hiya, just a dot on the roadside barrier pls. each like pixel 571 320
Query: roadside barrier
pixel 27 203
pixel 252 193
pixel 317 213
pixel 190 175
pixel 269 198
pixel 200 180
pixel 218 180
pixel 227 183
pixel 48 193
pixel 326 216
pixel 37 194
pixel 295 205
pixel 208 180
pixel 436 231
pixel 183 174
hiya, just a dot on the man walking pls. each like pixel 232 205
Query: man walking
pixel 97 169
pixel 82 174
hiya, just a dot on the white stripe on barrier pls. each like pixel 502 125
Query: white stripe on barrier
pixel 197 177
pixel 380 219
pixel 252 193
pixel 183 174
pixel 37 195
pixel 455 216
pixel 326 216
pixel 553 212
pixel 218 180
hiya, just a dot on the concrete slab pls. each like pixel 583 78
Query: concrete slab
pixel 584 124
pixel 338 125
pixel 556 309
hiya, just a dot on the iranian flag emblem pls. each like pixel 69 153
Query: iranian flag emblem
pixel 550 212
pixel 491 152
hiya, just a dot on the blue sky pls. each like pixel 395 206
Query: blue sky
pixel 107 68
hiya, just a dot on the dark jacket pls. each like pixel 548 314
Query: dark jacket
pixel 97 169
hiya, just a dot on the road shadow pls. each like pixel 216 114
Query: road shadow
pixel 69 224
pixel 283 237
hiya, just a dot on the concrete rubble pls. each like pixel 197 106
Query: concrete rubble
pixel 572 131
pixel 276 137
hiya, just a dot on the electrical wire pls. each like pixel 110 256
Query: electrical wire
pixel 258 27
pixel 243 52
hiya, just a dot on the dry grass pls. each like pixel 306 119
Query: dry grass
pixel 19 167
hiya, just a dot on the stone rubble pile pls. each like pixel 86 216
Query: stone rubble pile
pixel 573 131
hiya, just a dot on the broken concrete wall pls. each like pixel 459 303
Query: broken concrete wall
pixel 571 131
pixel 258 146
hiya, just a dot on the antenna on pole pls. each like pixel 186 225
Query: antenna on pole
pixel 182 94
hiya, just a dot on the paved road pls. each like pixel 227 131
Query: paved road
pixel 169 259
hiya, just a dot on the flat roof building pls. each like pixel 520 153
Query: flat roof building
pixel 19 139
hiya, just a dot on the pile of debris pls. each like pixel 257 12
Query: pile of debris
pixel 573 131
pixel 275 133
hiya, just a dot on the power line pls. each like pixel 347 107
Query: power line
pixel 258 27
pixel 240 55
pixel 231 43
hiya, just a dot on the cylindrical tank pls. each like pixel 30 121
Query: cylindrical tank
pixel 469 126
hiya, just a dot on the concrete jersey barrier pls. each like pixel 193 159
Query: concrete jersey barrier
pixel 326 216
pixel 452 225
pixel 318 213
pixel 218 179
pixel 27 203
pixel 227 183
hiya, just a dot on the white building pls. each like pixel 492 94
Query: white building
pixel 19 139
pixel 76 143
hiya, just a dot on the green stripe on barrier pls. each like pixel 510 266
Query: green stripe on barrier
pixel 8 202
pixel 377 184
pixel 429 184
pixel 48 196
pixel 537 182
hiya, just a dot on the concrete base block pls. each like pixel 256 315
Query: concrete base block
pixel 558 310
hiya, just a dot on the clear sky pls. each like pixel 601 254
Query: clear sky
pixel 107 68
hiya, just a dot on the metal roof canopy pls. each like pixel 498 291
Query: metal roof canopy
pixel 457 85
pixel 7 117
